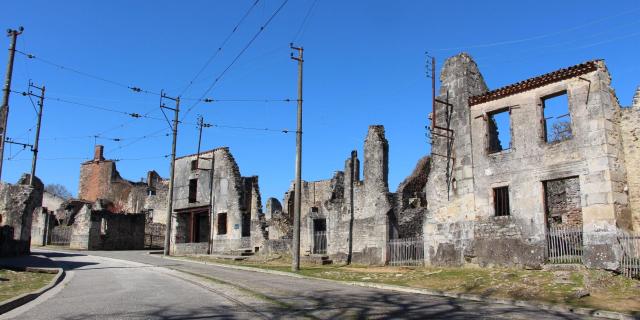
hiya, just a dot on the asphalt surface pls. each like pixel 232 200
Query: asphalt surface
pixel 103 288
pixel 144 286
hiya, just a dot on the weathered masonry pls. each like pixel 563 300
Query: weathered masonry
pixel 351 219
pixel 17 205
pixel 520 169
pixel 99 179
pixel 215 208
pixel 109 213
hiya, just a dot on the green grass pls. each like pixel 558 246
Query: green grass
pixel 15 283
pixel 606 290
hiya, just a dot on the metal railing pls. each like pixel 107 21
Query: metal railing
pixel 630 260
pixel 60 236
pixel 564 244
pixel 320 242
pixel 405 252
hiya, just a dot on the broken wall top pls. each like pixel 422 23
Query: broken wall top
pixel 461 72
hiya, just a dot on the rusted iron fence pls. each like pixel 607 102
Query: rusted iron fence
pixel 405 252
pixel 564 244
pixel 320 242
pixel 60 236
pixel 630 260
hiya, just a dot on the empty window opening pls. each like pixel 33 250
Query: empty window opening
pixel 314 209
pixel 499 130
pixel 222 223
pixel 193 190
pixel 151 191
pixel 246 224
pixel 557 118
pixel 501 201
pixel 562 202
pixel 194 165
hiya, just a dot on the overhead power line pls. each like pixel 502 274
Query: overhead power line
pixel 304 22
pixel 93 106
pixel 88 75
pixel 224 42
pixel 244 49
pixel 541 36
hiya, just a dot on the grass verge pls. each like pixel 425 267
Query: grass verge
pixel 15 283
pixel 578 288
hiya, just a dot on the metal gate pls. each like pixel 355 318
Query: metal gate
pixel 405 252
pixel 564 244
pixel 60 236
pixel 320 242
pixel 630 261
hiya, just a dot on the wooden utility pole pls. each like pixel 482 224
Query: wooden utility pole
pixel 4 109
pixel 35 144
pixel 174 128
pixel 297 193
pixel 201 125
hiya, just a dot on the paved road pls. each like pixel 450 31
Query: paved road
pixel 103 288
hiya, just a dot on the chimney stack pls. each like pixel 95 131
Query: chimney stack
pixel 98 153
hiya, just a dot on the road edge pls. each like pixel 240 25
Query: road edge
pixel 520 303
pixel 25 298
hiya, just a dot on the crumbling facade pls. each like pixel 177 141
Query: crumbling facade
pixel 99 179
pixel 510 164
pixel 351 219
pixel 17 205
pixel 215 209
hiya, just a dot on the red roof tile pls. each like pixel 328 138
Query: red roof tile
pixel 535 82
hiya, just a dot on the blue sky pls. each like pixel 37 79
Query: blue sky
pixel 364 64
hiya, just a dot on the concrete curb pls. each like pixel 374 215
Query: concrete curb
pixel 537 305
pixel 30 296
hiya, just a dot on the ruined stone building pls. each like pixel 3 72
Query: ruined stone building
pixel 111 213
pixel 99 179
pixel 508 165
pixel 17 205
pixel 215 209
pixel 349 218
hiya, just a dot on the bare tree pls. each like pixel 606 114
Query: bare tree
pixel 58 190
pixel 560 131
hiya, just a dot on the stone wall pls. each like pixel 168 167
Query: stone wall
pixel 42 222
pixel 450 187
pixel 17 205
pixel 562 198
pixel 104 230
pixel 630 129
